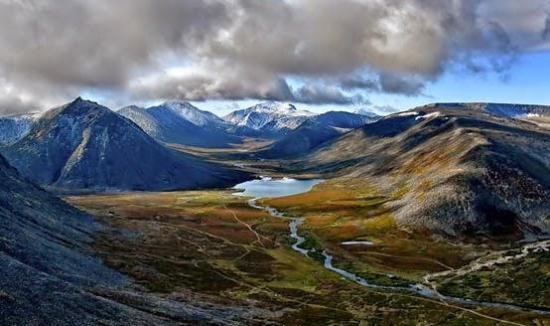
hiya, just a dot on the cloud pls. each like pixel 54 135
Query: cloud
pixel 11 104
pixel 198 85
pixel 358 82
pixel 250 48
pixel 323 94
pixel 406 85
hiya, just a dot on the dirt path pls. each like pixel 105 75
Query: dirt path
pixel 248 226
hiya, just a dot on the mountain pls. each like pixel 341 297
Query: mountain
pixel 270 119
pixel 455 170
pixel 16 126
pixel 143 119
pixel 182 123
pixel 313 132
pixel 86 146
pixel 188 112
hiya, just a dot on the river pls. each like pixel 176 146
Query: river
pixel 267 187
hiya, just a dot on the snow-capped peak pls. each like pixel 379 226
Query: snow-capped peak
pixel 280 108
pixel 273 116
pixel 190 113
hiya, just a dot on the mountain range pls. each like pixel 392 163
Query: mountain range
pixel 83 145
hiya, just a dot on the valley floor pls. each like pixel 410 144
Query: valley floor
pixel 211 245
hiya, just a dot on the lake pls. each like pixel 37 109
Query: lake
pixel 270 187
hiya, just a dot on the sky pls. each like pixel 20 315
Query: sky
pixel 221 55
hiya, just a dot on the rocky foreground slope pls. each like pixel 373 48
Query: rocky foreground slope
pixel 51 277
pixel 451 169
pixel 85 146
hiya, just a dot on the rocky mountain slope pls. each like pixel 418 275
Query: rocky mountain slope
pixel 455 170
pixel 50 276
pixel 182 123
pixel 83 145
pixel 44 257
pixel 313 132
pixel 16 126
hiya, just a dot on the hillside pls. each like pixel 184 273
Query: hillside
pixel 85 146
pixel 454 170
pixel 51 276
pixel 43 248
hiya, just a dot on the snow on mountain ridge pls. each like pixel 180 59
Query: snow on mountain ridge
pixel 189 112
pixel 273 116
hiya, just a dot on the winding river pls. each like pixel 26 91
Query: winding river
pixel 267 187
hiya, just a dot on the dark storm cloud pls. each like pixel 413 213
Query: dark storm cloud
pixel 239 49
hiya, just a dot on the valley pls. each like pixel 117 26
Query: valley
pixel 225 247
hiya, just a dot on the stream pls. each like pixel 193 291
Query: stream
pixel 271 188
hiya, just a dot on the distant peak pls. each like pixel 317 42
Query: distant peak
pixel 80 100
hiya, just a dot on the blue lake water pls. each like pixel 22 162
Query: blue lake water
pixel 269 187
